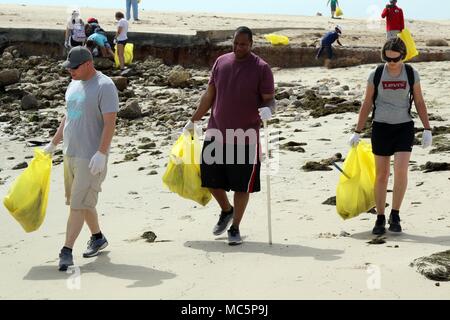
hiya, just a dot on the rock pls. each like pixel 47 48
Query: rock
pixel 435 267
pixel 21 165
pixel 284 94
pixel 440 149
pixel 293 146
pixel 316 166
pixel 345 88
pixel 130 111
pixel 13 50
pixel 29 102
pixel 120 82
pixel 9 76
pixel 377 240
pixel 440 130
pixel 330 201
pixel 436 43
pixel 103 64
pixel 5 117
pixel 344 234
pixel 179 78
pixel 153 172
pixel 150 236
pixel 319 14
pixel 147 146
pixel 435 166
pixel 7 56
pixel 129 72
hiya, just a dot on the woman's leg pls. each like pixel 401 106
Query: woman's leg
pixel 382 168
pixel 401 165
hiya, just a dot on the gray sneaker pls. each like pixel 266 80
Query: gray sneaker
pixel 65 259
pixel 234 236
pixel 224 222
pixel 94 246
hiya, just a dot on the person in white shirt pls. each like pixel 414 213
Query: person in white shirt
pixel 121 37
pixel 75 34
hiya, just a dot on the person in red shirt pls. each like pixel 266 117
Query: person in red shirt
pixel 395 22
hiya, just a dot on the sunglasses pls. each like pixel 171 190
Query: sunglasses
pixel 75 68
pixel 387 59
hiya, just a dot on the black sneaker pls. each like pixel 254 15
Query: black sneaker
pixel 234 236
pixel 224 222
pixel 65 259
pixel 380 226
pixel 394 223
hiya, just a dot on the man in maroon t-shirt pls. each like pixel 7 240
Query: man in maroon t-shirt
pixel 240 95
pixel 394 19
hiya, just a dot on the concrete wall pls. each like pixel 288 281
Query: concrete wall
pixel 199 50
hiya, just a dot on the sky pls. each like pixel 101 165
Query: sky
pixel 413 9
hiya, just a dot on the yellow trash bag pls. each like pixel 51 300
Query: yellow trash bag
pixel 128 55
pixel 355 190
pixel 182 175
pixel 411 50
pixel 276 39
pixel 339 12
pixel 27 198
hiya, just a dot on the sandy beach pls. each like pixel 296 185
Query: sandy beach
pixel 314 255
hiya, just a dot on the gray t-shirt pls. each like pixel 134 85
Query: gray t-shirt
pixel 392 103
pixel 87 101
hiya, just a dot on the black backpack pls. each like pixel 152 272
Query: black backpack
pixel 377 79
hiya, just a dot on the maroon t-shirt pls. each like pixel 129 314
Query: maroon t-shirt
pixel 239 86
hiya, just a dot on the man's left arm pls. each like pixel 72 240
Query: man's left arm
pixel 109 120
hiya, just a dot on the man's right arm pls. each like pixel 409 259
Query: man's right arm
pixel 206 102
pixel 59 133
pixel 385 12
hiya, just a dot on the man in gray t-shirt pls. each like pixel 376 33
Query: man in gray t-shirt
pixel 87 130
pixel 392 103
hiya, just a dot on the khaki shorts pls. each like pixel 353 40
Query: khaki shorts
pixel 81 186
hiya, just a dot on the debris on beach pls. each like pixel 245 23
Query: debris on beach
pixel 149 236
pixel 377 240
pixel 435 267
pixel 435 166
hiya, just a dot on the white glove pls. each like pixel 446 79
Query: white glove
pixel 354 139
pixel 265 113
pixel 115 41
pixel 98 163
pixel 67 44
pixel 189 126
pixel 49 148
pixel 427 139
pixel 192 129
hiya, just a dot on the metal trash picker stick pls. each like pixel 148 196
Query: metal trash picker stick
pixel 269 210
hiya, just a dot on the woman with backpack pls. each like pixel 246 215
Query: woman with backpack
pixel 75 33
pixel 391 89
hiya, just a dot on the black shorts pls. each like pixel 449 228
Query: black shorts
pixel 74 43
pixel 123 42
pixel 388 139
pixel 236 169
